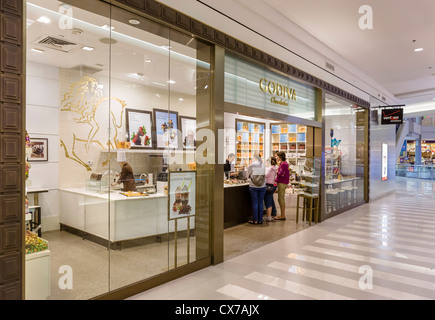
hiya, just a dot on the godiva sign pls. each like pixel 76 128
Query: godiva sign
pixel 256 87
pixel 282 92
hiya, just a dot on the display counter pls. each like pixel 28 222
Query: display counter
pixel 130 217
pixel 237 204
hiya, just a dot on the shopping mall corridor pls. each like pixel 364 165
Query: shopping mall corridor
pixel 382 250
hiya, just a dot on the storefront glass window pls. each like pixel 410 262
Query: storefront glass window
pixel 344 154
pixel 113 102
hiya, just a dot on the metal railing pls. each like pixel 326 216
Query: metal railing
pixel 426 172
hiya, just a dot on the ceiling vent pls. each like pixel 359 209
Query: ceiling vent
pixel 330 66
pixel 56 44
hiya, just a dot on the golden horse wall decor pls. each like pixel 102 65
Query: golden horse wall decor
pixel 85 100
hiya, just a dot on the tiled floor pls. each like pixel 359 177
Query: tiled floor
pixel 381 250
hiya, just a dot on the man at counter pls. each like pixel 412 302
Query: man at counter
pixel 126 176
pixel 228 168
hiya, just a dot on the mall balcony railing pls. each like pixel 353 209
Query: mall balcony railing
pixel 426 172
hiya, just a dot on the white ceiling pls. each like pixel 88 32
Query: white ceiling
pixel 384 53
pixel 137 56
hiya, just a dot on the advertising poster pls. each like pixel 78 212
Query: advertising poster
pixel 139 128
pixel 384 161
pixel 182 191
pixel 188 129
pixel 166 129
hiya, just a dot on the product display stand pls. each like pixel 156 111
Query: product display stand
pixel 250 139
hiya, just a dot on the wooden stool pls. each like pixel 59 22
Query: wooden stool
pixel 311 207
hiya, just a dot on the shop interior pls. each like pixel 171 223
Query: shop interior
pixel 105 88
pixel 244 136
pixel 407 156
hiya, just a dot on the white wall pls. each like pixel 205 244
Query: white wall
pixel 136 96
pixel 42 121
pixel 380 134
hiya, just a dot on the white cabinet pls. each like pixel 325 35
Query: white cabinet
pixel 130 217
pixel 37 275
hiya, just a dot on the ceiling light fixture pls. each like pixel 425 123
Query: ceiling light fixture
pixel 148 60
pixel 43 19
pixel 138 76
pixel 134 21
pixel 106 27
pixel 418 49
pixel 87 48
pixel 37 50
pixel 159 84
pixel 171 81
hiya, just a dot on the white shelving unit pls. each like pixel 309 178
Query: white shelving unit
pixel 250 139
pixel 292 139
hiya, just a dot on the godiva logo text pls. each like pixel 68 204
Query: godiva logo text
pixel 281 92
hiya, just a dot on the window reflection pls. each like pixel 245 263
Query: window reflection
pixel 344 154
pixel 96 75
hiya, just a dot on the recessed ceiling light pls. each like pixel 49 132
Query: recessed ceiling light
pixel 171 81
pixel 418 49
pixel 180 99
pixel 137 76
pixel 87 48
pixel 37 50
pixel 148 60
pixel 106 27
pixel 133 21
pixel 159 84
pixel 43 19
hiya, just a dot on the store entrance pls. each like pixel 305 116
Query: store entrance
pixel 245 137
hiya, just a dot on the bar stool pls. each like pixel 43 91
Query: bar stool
pixel 332 199
pixel 350 199
pixel 341 198
pixel 313 205
pixel 354 193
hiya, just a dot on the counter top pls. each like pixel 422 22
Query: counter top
pixel 113 195
pixel 236 185
pixel 341 180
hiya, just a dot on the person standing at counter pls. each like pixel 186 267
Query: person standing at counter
pixel 257 188
pixel 126 177
pixel 228 167
pixel 282 180
pixel 270 187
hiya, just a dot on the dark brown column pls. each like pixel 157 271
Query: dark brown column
pixel 12 139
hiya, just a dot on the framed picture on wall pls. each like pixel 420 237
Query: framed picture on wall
pixel 188 131
pixel 139 128
pixel 166 129
pixel 39 149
